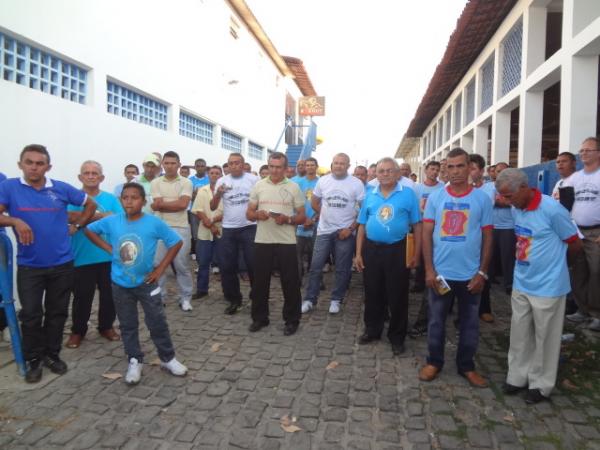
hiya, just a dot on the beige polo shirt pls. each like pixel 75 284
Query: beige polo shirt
pixel 202 204
pixel 284 197
pixel 169 191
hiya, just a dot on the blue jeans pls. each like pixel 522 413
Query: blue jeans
pixel 344 251
pixel 205 250
pixel 126 300
pixel 232 241
pixel 468 316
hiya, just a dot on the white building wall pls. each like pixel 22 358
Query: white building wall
pixel 575 64
pixel 180 53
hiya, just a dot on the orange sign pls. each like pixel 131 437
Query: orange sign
pixel 312 106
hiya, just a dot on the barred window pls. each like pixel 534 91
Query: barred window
pixel 487 84
pixel 511 58
pixel 448 124
pixel 230 141
pixel 27 65
pixel 470 102
pixel 194 128
pixel 127 103
pixel 255 150
pixel 457 114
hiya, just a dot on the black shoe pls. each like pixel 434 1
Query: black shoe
pixel 199 295
pixel 232 309
pixel 534 396
pixel 509 389
pixel 398 349
pixel 365 339
pixel 55 364
pixel 290 328
pixel 255 326
pixel 417 330
pixel 33 372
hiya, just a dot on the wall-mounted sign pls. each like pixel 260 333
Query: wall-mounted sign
pixel 312 106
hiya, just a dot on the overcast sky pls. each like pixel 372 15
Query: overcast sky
pixel 372 60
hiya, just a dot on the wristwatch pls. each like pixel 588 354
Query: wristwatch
pixel 483 274
pixel 290 220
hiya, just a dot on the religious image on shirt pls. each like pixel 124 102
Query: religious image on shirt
pixel 524 241
pixel 455 220
pixel 385 213
pixel 337 199
pixel 128 252
pixel 308 194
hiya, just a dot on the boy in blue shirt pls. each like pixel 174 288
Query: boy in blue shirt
pixel 541 282
pixel 132 238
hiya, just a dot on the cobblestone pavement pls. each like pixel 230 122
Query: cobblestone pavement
pixel 240 385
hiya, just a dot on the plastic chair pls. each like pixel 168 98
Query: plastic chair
pixel 7 301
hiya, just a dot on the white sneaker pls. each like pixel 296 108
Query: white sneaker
pixel 594 325
pixel 326 268
pixel 334 307
pixel 134 372
pixel 578 317
pixel 186 305
pixel 6 335
pixel 175 367
pixel 306 306
pixel 215 270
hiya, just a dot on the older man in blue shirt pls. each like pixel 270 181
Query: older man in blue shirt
pixel 384 221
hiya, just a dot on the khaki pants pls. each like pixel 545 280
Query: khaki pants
pixel 585 274
pixel 535 333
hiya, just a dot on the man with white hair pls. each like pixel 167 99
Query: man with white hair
pixel 92 264
pixel 544 232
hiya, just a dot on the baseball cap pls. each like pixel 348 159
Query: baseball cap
pixel 152 158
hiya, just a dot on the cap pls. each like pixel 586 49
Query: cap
pixel 152 158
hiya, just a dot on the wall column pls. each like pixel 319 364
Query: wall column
pixel 500 136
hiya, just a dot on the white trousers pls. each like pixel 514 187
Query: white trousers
pixel 181 263
pixel 535 332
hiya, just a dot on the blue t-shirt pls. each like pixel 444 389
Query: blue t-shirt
pixel 387 220
pixel 2 178
pixel 423 191
pixel 84 251
pixel 542 229
pixel 296 179
pixel 490 190
pixel 45 211
pixel 457 234
pixel 134 245
pixel 307 186
pixel 197 183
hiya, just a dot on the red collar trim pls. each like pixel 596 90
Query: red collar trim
pixel 454 194
pixel 535 201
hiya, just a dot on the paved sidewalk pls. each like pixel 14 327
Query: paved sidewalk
pixel 337 394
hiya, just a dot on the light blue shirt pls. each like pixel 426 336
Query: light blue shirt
pixel 423 191
pixel 199 182
pixel 84 250
pixel 134 245
pixel 457 234
pixel 542 230
pixel 387 220
pixel 307 186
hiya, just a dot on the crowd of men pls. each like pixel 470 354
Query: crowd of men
pixel 456 230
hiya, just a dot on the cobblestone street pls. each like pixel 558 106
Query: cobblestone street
pixel 335 393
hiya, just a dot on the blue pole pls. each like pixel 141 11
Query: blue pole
pixel 7 302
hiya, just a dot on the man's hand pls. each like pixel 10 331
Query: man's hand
pixel 214 230
pixel 358 262
pixel 156 204
pixel 262 215
pixel 153 276
pixel 72 229
pixel 207 222
pixel 476 284
pixel 24 232
pixel 221 190
pixel 413 263
pixel 308 223
pixel 430 279
pixel 282 219
pixel 344 233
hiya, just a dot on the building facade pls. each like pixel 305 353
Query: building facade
pixel 518 83
pixel 116 80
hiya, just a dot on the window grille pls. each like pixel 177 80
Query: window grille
pixel 255 150
pixel 230 141
pixel 457 114
pixel 24 64
pixel 470 102
pixel 448 125
pixel 127 103
pixel 487 84
pixel 440 131
pixel 434 137
pixel 511 59
pixel 194 128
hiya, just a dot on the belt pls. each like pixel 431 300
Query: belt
pixel 591 227
pixel 385 244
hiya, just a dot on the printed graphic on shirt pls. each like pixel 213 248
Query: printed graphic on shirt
pixel 385 213
pixel 337 199
pixel 423 201
pixel 308 193
pixel 586 192
pixel 129 250
pixel 524 242
pixel 455 220
pixel 236 198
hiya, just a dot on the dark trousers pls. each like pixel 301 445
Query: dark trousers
pixel 232 242
pixel 505 243
pixel 304 247
pixel 148 295
pixel 468 317
pixel 386 286
pixel 290 281
pixel 42 316
pixel 87 278
pixel 205 253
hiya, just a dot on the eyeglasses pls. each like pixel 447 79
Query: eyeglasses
pixel 383 171
pixel 587 150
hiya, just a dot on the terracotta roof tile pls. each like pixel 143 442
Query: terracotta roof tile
pixel 300 75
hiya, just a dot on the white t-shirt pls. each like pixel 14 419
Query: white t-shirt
pixel 339 202
pixel 235 200
pixel 586 209
pixel 403 181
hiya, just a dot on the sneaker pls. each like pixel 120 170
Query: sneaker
pixel 326 268
pixel 594 325
pixel 334 307
pixel 215 270
pixel 306 306
pixel 55 364
pixel 6 335
pixel 33 372
pixel 134 372
pixel 175 367
pixel 186 305
pixel 578 317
